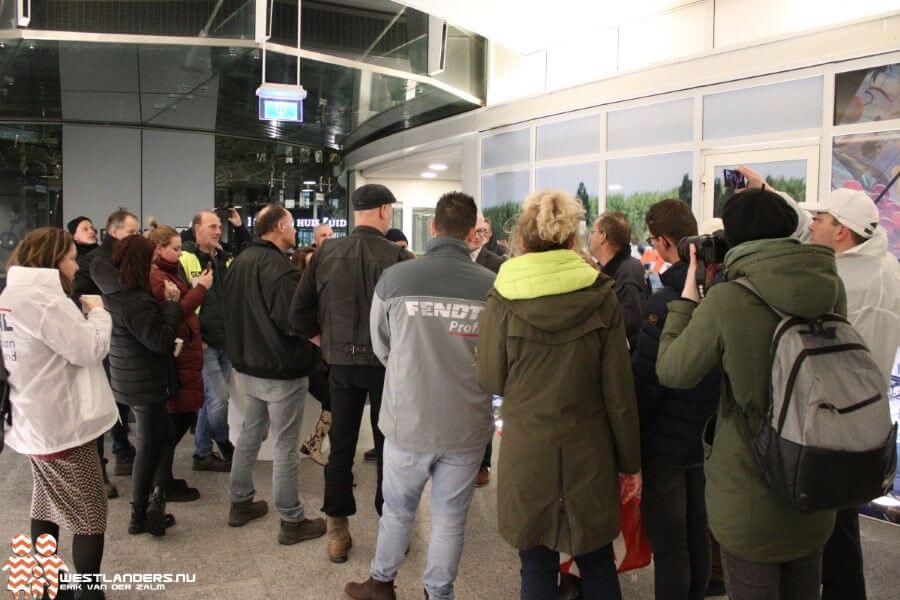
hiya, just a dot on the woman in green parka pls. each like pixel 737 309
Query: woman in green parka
pixel 770 550
pixel 552 343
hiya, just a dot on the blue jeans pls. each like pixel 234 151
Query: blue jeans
pixel 452 488
pixel 212 419
pixel 276 406
pixel 540 572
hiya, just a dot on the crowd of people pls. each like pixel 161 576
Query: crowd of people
pixel 610 392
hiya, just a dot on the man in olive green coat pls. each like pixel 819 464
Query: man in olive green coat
pixel 769 549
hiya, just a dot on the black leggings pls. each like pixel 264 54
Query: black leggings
pixel 181 422
pixel 87 550
pixel 155 447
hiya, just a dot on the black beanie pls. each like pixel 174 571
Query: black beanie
pixel 74 223
pixel 757 214
pixel 395 235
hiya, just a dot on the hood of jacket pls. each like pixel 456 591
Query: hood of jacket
pixel 797 279
pixel 106 276
pixel 551 291
pixel 48 279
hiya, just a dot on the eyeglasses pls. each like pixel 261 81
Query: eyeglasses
pixel 651 238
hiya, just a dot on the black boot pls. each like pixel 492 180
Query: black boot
pixel 227 450
pixel 177 490
pixel 138 519
pixel 156 512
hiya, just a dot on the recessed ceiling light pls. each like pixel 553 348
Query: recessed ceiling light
pixel 310 182
pixel 614 187
pixel 438 167
pixel 429 175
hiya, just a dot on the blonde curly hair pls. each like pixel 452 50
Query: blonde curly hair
pixel 549 220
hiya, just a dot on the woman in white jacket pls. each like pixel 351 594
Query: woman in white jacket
pixel 60 398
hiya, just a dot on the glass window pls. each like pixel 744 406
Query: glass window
pixel 505 149
pixel 654 125
pixel 30 184
pixel 633 185
pixel 787 176
pixel 501 195
pixel 777 107
pixel 868 162
pixel 397 217
pixel 580 180
pixel 867 95
pixel 422 218
pixel 569 138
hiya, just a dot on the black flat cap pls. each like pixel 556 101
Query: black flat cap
pixel 370 196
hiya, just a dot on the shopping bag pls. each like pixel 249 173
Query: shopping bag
pixel 631 549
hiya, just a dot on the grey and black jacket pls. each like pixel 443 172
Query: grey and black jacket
pixel 335 294
pixel 424 326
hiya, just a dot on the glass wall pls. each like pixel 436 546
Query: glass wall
pixel 30 183
pixel 635 184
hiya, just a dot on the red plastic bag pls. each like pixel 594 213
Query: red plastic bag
pixel 631 549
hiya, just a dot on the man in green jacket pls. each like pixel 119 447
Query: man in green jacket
pixel 769 548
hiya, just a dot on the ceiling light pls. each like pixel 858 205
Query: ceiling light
pixel 614 187
pixel 429 175
pixel 310 182
pixel 438 167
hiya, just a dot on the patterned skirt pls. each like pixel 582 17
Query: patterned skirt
pixel 69 491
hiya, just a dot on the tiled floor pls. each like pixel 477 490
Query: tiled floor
pixel 248 562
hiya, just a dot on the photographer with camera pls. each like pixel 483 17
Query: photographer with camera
pixel 770 548
pixel 671 425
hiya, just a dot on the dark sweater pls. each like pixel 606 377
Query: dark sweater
pixel 631 290
pixel 671 420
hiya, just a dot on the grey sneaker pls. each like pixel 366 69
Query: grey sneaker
pixel 292 532
pixel 213 462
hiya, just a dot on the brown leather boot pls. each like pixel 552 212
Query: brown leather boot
pixel 339 540
pixel 371 590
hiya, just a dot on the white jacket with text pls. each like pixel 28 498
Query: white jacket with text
pixel 59 393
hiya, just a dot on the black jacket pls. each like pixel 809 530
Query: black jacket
pixel 631 289
pixel 671 420
pixel 335 295
pixel 84 282
pixel 142 342
pixel 494 247
pixel 259 287
pixel 489 260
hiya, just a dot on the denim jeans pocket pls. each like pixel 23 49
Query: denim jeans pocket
pixel 401 458
pixel 463 460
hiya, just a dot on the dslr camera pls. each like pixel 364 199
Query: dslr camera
pixel 710 248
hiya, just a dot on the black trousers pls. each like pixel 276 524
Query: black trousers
pixel 349 386
pixel 119 434
pixel 842 561
pixel 794 580
pixel 486 461
pixel 181 423
pixel 319 384
pixel 674 512
pixel 540 571
pixel 155 447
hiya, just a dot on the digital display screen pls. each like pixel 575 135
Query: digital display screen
pixel 280 110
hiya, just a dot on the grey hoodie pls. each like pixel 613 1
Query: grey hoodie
pixel 424 327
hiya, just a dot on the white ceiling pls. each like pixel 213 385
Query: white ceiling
pixel 527 26
pixel 412 167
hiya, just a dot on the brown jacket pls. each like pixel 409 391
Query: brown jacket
pixel 558 356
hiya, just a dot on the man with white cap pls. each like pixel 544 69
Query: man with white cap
pixel 847 221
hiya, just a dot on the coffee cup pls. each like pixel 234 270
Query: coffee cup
pixel 178 344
